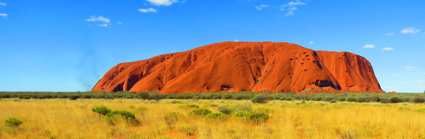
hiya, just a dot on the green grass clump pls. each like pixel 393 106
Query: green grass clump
pixel 228 109
pixel 200 112
pixel 13 122
pixel 102 110
pixel 113 116
pixel 254 117
pixel 216 116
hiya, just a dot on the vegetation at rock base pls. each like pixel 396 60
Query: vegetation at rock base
pixel 253 96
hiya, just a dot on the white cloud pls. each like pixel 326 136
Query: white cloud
pixel 2 4
pixel 410 30
pixel 390 34
pixel 369 46
pixel 3 15
pixel 387 49
pixel 119 22
pixel 104 22
pixel 148 10
pixel 103 25
pixel 236 40
pixel 162 2
pixel 409 68
pixel 261 6
pixel 291 7
pixel 311 42
pixel 98 19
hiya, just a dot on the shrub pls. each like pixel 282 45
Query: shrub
pixel 341 99
pixel 175 102
pixel 128 116
pixel 363 99
pixel 351 99
pixel 419 100
pixel 225 109
pixel 171 118
pixel 227 96
pixel 192 106
pixel 260 98
pixel 318 98
pixel 395 100
pixel 254 117
pixel 333 101
pixel 13 122
pixel 228 109
pixel 218 116
pixel 330 99
pixel 200 112
pixel 143 95
pixel 375 99
pixel 102 110
pixel 74 97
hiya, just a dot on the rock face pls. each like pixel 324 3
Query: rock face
pixel 244 66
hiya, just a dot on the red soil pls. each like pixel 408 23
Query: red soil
pixel 244 66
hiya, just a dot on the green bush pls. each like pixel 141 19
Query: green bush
pixel 363 99
pixel 74 97
pixel 228 109
pixel 227 96
pixel 192 106
pixel 341 99
pixel 395 100
pixel 102 110
pixel 225 109
pixel 352 99
pixel 143 95
pixel 260 98
pixel 217 116
pixel 128 116
pixel 200 112
pixel 419 100
pixel 13 122
pixel 254 117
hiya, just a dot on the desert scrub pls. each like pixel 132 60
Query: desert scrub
pixel 102 110
pixel 13 122
pixel 199 112
pixel 172 118
pixel 395 100
pixel 253 117
pixel 228 109
pixel 113 116
pixel 419 100
pixel 260 98
pixel 216 116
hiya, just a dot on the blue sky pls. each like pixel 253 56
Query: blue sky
pixel 51 45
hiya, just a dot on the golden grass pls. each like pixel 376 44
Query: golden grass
pixel 61 118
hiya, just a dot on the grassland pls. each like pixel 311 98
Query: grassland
pixel 66 118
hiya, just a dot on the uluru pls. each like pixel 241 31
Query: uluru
pixel 244 66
